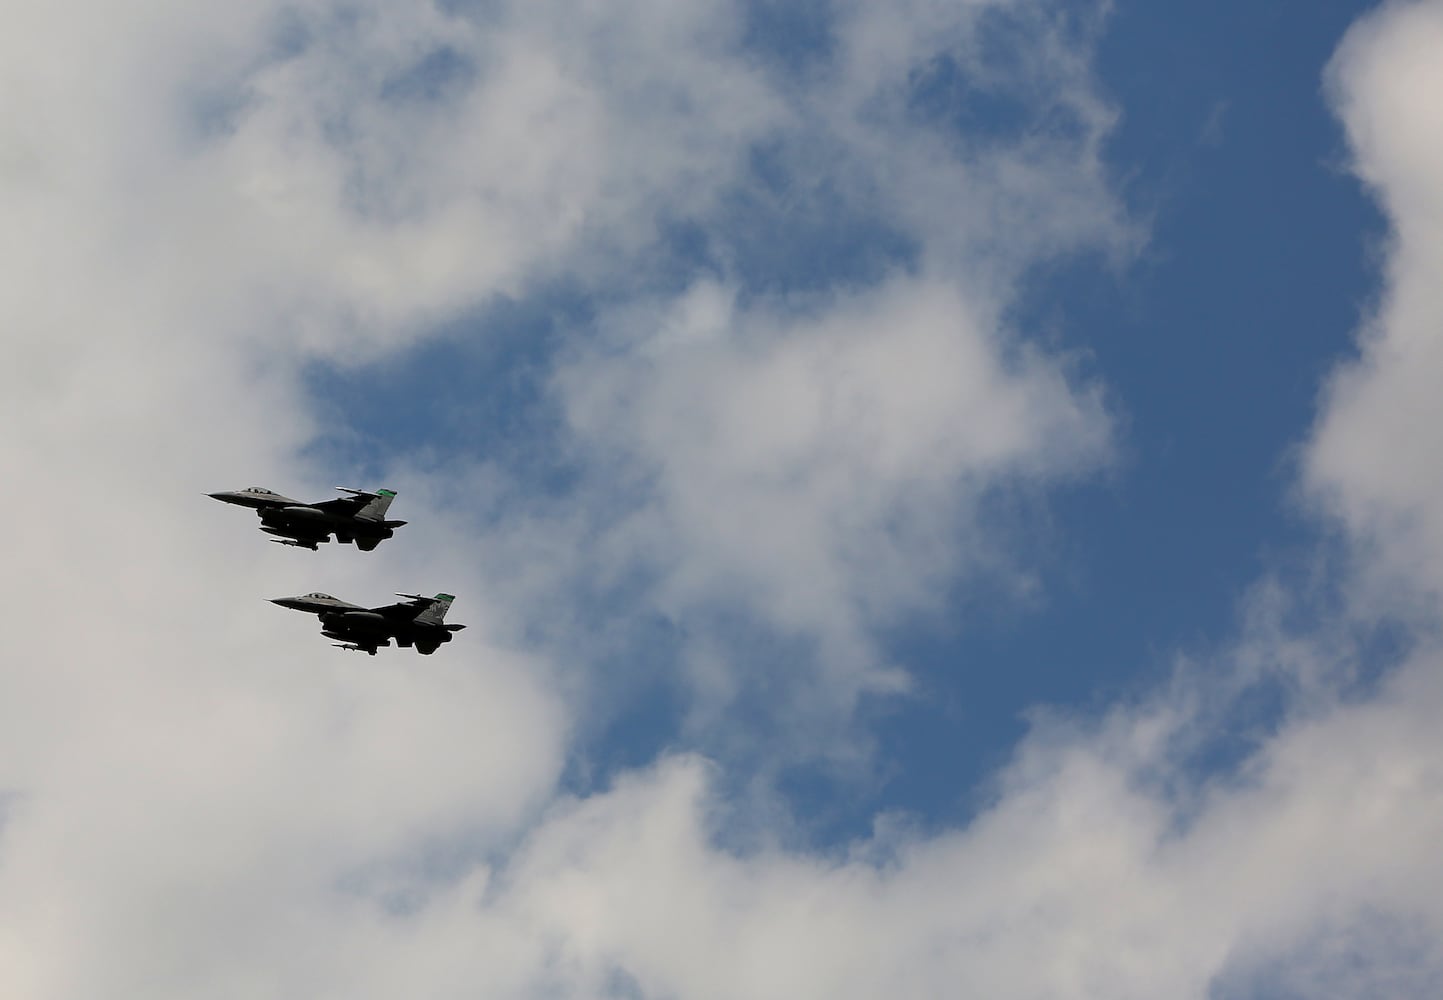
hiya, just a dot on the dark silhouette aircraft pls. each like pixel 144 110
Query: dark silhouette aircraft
pixel 359 517
pixel 419 622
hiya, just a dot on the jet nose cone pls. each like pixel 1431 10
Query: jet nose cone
pixel 285 602
pixel 222 495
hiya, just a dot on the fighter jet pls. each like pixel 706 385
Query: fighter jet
pixel 359 517
pixel 419 622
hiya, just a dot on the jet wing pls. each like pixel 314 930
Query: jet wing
pixel 345 505
pixel 404 612
pixel 362 505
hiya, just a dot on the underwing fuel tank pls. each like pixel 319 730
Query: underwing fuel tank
pixel 302 513
pixel 367 620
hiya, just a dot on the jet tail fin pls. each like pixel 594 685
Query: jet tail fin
pixel 375 509
pixel 435 612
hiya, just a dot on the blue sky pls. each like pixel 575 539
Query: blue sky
pixel 942 497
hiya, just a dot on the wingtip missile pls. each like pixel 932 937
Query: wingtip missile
pixel 365 493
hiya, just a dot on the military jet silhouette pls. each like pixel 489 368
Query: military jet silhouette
pixel 359 517
pixel 419 622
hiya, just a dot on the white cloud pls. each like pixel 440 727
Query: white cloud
pixel 1375 461
pixel 1084 880
pixel 188 773
pixel 824 471
pixel 1075 885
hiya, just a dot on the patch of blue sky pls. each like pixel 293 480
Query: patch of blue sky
pixel 474 390
pixel 988 92
pixel 942 91
pixel 438 75
pixel 636 712
pixel 789 229
pixel 793 38
pixel 1213 347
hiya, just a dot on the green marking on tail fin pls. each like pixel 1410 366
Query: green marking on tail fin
pixel 385 493
pixel 445 597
